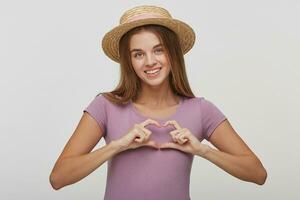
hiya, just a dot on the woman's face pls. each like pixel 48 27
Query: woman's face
pixel 149 58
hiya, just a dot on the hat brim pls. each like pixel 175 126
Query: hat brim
pixel 110 41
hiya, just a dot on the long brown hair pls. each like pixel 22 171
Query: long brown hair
pixel 130 84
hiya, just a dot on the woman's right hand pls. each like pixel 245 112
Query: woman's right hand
pixel 138 136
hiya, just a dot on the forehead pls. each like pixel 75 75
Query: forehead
pixel 144 40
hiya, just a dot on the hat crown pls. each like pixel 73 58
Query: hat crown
pixel 143 12
pixel 144 15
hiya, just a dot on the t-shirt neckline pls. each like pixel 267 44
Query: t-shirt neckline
pixel 142 116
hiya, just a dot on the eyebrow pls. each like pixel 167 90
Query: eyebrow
pixel 141 49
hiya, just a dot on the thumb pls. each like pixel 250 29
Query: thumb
pixel 168 145
pixel 151 143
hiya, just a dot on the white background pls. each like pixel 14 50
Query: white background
pixel 245 60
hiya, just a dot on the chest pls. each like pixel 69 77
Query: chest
pixel 161 113
pixel 121 119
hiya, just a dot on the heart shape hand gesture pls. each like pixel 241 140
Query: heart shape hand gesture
pixel 183 139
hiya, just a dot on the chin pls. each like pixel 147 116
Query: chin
pixel 154 83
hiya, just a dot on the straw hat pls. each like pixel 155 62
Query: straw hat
pixel 143 15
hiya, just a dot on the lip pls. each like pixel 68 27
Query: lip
pixel 152 69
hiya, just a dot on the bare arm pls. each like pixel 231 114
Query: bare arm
pixel 234 156
pixel 77 161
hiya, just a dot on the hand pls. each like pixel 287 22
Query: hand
pixel 138 136
pixel 184 140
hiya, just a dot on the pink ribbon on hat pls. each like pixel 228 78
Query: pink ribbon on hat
pixel 144 16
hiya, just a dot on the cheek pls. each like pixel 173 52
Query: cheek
pixel 137 66
pixel 164 60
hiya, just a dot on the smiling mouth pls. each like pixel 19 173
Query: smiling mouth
pixel 155 71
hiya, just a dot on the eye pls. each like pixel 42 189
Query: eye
pixel 139 54
pixel 159 50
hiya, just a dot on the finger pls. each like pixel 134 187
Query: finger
pixel 140 138
pixel 174 123
pixel 182 138
pixel 177 136
pixel 140 134
pixel 145 131
pixel 169 145
pixel 183 141
pixel 147 136
pixel 174 134
pixel 151 143
pixel 176 131
pixel 149 121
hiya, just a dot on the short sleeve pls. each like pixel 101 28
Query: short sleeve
pixel 97 110
pixel 211 117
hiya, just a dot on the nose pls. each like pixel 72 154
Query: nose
pixel 150 60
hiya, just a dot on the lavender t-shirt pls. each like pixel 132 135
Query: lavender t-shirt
pixel 147 173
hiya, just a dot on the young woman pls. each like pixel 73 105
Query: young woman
pixel 152 123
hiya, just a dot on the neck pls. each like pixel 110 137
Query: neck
pixel 157 96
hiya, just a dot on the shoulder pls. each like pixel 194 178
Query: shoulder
pixel 192 104
pixel 202 103
pixel 195 100
pixel 190 99
pixel 101 98
pixel 109 103
pixel 98 101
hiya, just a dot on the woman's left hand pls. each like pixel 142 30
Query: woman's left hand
pixel 184 140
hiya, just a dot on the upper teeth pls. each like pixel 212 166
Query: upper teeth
pixel 152 71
